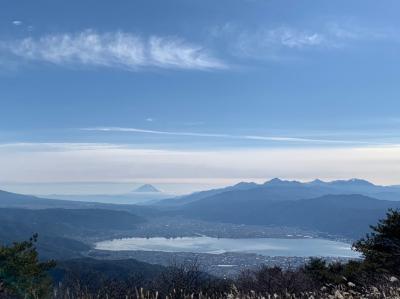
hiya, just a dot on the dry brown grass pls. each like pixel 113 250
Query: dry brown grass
pixel 390 290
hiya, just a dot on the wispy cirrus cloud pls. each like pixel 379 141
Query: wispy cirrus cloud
pixel 291 38
pixel 283 40
pixel 284 139
pixel 114 50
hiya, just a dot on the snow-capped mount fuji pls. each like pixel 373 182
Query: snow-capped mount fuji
pixel 147 188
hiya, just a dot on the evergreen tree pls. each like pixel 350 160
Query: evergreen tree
pixel 381 248
pixel 21 272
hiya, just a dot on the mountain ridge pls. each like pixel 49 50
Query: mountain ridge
pixel 306 190
pixel 333 214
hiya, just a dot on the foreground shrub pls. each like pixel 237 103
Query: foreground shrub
pixel 275 281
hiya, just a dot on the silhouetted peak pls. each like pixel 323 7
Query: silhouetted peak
pixel 279 182
pixel 317 182
pixel 352 182
pixel 273 181
pixel 147 188
pixel 244 184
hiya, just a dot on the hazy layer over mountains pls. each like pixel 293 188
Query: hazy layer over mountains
pixel 144 194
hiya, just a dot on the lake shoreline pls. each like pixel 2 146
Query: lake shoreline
pixel 302 247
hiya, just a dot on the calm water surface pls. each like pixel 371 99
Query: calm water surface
pixel 264 246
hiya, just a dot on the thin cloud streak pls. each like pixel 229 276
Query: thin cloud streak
pixel 114 50
pixel 230 136
pixel 282 42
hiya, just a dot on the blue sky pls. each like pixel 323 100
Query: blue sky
pixel 203 80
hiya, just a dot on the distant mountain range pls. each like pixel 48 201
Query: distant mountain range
pixel 277 189
pixel 343 207
pixel 184 199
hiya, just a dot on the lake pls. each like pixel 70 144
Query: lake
pixel 264 246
